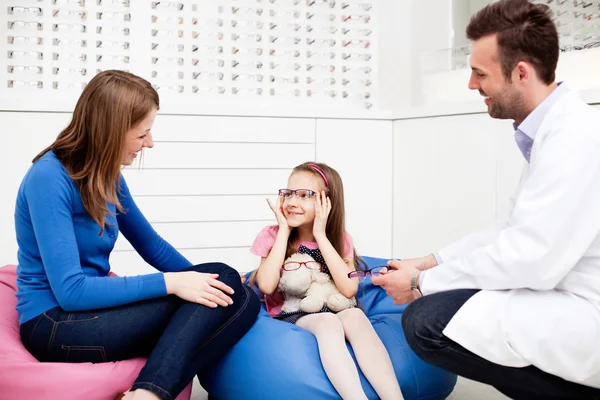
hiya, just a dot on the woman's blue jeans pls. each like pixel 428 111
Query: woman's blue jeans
pixel 180 339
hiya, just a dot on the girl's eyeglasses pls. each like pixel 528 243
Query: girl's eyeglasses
pixel 362 275
pixel 300 193
pixel 294 265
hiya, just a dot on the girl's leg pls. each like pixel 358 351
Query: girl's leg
pixel 179 338
pixel 371 355
pixel 337 361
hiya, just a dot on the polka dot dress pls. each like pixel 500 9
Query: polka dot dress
pixel 293 317
pixel 316 255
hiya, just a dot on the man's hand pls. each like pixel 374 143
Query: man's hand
pixel 396 282
pixel 243 277
pixel 421 263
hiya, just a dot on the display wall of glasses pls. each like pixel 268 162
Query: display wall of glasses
pixel 319 53
pixel 578 23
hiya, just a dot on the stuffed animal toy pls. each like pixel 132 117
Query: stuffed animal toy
pixel 309 290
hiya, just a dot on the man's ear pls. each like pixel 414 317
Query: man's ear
pixel 523 71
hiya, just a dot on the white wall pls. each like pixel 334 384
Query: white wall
pixel 22 137
pixel 444 179
pixel 362 152
pixel 203 186
pixel 452 175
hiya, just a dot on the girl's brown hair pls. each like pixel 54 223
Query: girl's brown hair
pixel 91 147
pixel 336 222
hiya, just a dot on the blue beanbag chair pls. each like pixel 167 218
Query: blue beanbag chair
pixel 277 360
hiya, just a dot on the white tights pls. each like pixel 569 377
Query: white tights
pixel 331 330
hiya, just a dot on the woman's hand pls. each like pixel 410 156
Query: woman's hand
pixel 278 211
pixel 322 210
pixel 198 287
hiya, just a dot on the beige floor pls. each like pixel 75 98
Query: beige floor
pixel 198 393
pixel 469 390
pixel 465 390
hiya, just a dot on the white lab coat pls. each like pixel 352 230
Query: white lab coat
pixel 539 270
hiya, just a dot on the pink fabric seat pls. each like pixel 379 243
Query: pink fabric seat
pixel 23 377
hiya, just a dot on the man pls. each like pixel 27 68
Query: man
pixel 517 306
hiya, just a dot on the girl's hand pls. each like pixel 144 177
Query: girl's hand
pixel 322 210
pixel 198 287
pixel 278 211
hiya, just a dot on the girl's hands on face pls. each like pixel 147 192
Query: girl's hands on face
pixel 279 215
pixel 322 210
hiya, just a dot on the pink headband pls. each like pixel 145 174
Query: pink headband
pixel 316 168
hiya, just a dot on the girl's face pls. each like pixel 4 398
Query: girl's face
pixel 138 137
pixel 299 207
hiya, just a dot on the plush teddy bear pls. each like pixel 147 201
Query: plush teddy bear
pixel 309 290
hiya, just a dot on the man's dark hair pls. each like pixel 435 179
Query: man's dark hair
pixel 525 32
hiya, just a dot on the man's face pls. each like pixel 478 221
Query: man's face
pixel 503 99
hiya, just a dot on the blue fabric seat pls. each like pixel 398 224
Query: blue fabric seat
pixel 276 360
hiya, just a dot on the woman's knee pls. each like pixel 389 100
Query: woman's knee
pixel 249 301
pixel 227 274
pixel 209 268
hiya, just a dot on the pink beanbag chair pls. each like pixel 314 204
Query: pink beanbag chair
pixel 24 377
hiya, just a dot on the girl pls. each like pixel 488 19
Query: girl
pixel 70 207
pixel 310 218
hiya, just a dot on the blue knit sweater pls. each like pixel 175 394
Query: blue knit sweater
pixel 62 258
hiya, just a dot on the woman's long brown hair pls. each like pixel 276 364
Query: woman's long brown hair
pixel 91 147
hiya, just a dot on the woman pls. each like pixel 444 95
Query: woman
pixel 71 205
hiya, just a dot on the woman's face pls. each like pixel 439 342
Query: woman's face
pixel 139 137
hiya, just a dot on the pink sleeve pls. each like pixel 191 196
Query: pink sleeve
pixel 264 241
pixel 348 246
